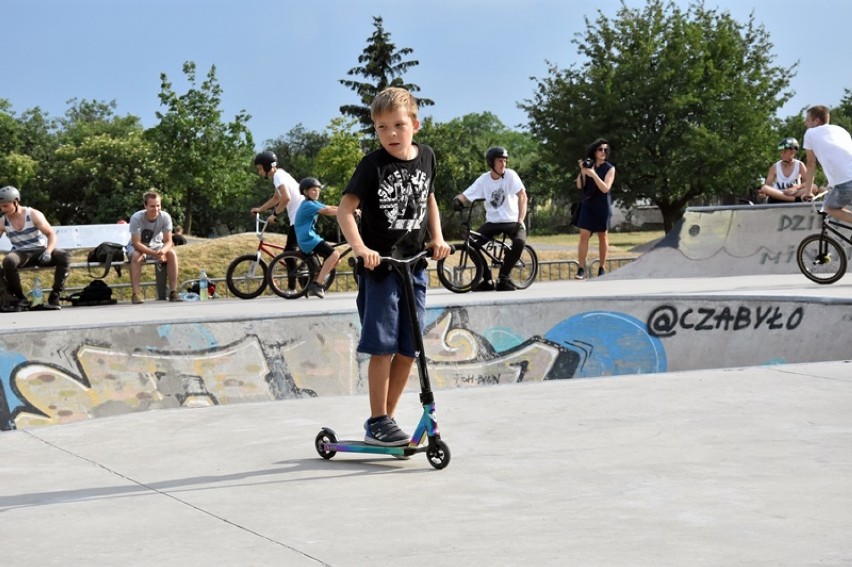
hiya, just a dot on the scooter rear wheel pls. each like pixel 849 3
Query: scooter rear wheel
pixel 323 437
pixel 438 455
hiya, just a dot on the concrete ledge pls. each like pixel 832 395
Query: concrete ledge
pixel 231 351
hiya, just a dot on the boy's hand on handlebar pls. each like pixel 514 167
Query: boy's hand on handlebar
pixel 439 248
pixel 370 258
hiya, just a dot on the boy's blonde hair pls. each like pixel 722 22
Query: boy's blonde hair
pixel 392 98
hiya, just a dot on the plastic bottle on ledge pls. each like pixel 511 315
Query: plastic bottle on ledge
pixel 37 294
pixel 203 284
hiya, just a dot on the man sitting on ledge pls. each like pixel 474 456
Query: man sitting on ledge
pixel 33 244
pixel 151 239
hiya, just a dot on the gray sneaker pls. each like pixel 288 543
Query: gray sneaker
pixel 316 290
pixel 385 432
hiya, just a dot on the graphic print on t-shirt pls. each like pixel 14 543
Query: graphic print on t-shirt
pixel 498 197
pixel 402 198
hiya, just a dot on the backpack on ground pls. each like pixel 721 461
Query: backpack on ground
pixel 105 254
pixel 96 293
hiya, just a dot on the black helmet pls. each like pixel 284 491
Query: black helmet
pixel 307 183
pixel 267 159
pixel 788 144
pixel 494 153
pixel 9 194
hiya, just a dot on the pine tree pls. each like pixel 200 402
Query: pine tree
pixel 382 65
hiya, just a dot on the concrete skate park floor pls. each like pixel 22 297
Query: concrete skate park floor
pixel 746 466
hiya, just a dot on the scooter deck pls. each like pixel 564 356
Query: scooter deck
pixel 363 447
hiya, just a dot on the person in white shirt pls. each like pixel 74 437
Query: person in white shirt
pixel 832 146
pixel 784 180
pixel 286 195
pixel 505 209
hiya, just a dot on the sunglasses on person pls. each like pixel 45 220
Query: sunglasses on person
pixel 603 149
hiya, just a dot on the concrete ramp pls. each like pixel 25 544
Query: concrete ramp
pixel 728 241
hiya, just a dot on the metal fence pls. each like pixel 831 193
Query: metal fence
pixel 549 270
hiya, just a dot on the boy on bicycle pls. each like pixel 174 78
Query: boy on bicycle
pixel 393 188
pixel 505 210
pixel 310 241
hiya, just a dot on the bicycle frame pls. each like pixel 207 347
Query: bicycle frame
pixel 269 248
pixel 246 275
pixel 829 224
pixel 494 248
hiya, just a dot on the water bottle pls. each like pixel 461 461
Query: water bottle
pixel 38 295
pixel 203 284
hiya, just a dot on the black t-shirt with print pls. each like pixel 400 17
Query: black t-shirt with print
pixel 393 195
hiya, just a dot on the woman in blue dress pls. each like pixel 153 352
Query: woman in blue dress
pixel 595 180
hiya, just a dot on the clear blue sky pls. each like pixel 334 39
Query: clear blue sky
pixel 280 60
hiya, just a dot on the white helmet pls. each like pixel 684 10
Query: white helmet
pixel 9 194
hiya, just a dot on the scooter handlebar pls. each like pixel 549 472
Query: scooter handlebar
pixel 425 253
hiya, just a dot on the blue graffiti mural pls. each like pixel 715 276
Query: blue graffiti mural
pixel 613 344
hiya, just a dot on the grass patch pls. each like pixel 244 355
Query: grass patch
pixel 214 255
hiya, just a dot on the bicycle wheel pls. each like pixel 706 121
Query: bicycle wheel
pixel 246 276
pixel 821 259
pixel 289 274
pixel 524 272
pixel 461 271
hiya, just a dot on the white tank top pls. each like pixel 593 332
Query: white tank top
pixel 782 182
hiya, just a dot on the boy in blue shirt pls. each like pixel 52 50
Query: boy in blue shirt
pixel 306 234
pixel 393 188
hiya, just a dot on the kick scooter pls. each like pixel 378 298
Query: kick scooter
pixel 426 438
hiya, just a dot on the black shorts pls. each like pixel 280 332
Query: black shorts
pixel 324 249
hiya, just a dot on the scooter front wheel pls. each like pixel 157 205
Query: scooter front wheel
pixel 438 455
pixel 324 437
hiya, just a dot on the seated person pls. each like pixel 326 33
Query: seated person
pixel 33 244
pixel 306 234
pixel 151 239
pixel 177 237
pixel 505 210
pixel 784 181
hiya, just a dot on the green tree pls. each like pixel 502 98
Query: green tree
pixel 205 159
pixel 10 130
pixel 842 113
pixel 99 167
pixel 105 177
pixel 460 147
pixel 382 66
pixel 337 160
pixel 297 150
pixel 687 100
pixel 26 142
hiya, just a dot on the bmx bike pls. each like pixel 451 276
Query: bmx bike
pixel 246 275
pixel 464 270
pixel 290 272
pixel 821 258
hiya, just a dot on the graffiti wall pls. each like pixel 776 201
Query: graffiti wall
pixel 55 376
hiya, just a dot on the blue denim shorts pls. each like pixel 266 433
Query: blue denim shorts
pixel 839 196
pixel 385 325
